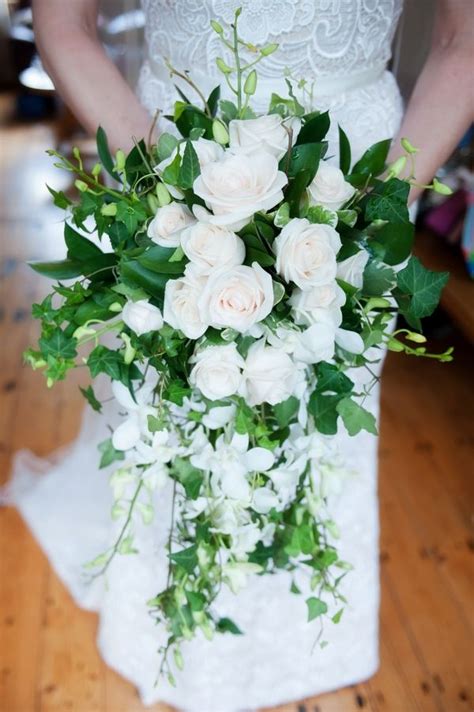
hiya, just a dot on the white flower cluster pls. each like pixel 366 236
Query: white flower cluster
pixel 218 290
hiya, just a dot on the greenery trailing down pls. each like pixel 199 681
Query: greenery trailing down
pixel 232 422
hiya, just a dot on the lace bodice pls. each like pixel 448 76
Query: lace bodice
pixel 341 48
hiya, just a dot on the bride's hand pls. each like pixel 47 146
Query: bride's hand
pixel 87 80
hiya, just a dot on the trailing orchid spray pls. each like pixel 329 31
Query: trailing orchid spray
pixel 248 277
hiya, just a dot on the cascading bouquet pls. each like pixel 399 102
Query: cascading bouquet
pixel 247 277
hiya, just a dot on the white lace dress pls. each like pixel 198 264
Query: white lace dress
pixel 343 46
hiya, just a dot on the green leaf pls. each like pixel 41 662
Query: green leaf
pixel 347 217
pixel 197 601
pixel 304 158
pixel 337 616
pixel 388 201
pixel 282 216
pixel 355 417
pixel 228 110
pixel 373 160
pixel 60 199
pixel 344 152
pixel 190 168
pixel 165 146
pixel 130 215
pixel 424 287
pixel 378 279
pixel 393 242
pixel 244 422
pixel 323 408
pixel 255 255
pixel 315 129
pixel 58 345
pixel 316 608
pixel 79 248
pixel 189 476
pixel 190 117
pixel 322 216
pixel 176 391
pixel 104 153
pixel 213 99
pixel 286 411
pixel 186 559
pixel 170 174
pixel 104 360
pixel 331 378
pixel 90 396
pixel 61 269
pixel 109 453
pixel 226 625
pixel 134 274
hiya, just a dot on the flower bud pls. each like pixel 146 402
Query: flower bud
pixel 395 168
pixel 76 153
pixel 96 170
pixel 219 132
pixel 217 27
pixel 178 658
pixel 408 147
pixel 223 67
pixel 250 85
pixel 163 195
pixel 417 338
pixel 130 352
pixel 81 186
pixel 441 188
pixel 269 49
pixel 82 331
pixel 142 317
pixel 120 160
pixel 153 203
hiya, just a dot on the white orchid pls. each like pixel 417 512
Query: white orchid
pixel 130 430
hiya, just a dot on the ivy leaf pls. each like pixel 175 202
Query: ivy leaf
pixel 388 201
pixel 176 392
pixel 355 417
pixel 423 286
pixel 90 397
pixel 330 378
pixel 337 616
pixel 323 409
pixel 316 607
pixel 285 412
pixel 58 345
pixel 186 559
pixel 104 360
pixel 189 476
pixel 190 168
pixel 60 199
pixel 393 242
pixel 226 625
pixel 378 279
pixel 130 215
pixel 109 453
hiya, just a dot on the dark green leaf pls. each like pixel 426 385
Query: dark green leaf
pixel 186 558
pixel 191 117
pixel 388 201
pixel 58 345
pixel 315 129
pixel 304 157
pixel 378 279
pixel 344 152
pixel 79 248
pixel 373 160
pixel 286 411
pixel 104 153
pixel 60 199
pixel 331 379
pixel 109 453
pixel 62 269
pixel 393 242
pixel 176 391
pixel 226 625
pixel 355 417
pixel 190 477
pixel 134 274
pixel 104 360
pixel 323 409
pixel 190 169
pixel 213 99
pixel 90 397
pixel 423 286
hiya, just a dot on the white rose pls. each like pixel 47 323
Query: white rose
pixel 142 317
pixel 170 220
pixel 238 186
pixel 210 247
pixel 237 298
pixel 180 308
pixel 329 187
pixel 270 375
pixel 207 151
pixel 318 304
pixel 352 269
pixel 306 253
pixel 266 133
pixel 217 371
pixel 316 344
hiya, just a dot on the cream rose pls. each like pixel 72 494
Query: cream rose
pixel 170 220
pixel 306 253
pixel 266 133
pixel 329 187
pixel 317 343
pixel 318 304
pixel 237 298
pixel 217 371
pixel 207 151
pixel 270 375
pixel 142 317
pixel 211 247
pixel 352 269
pixel 238 186
pixel 181 304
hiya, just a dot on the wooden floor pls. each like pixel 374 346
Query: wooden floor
pixel 48 658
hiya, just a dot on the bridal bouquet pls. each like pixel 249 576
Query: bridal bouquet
pixel 246 275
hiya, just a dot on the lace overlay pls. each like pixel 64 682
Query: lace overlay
pixel 68 507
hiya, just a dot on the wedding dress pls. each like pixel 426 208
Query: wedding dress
pixel 343 47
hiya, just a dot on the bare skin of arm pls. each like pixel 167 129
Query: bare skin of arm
pixel 441 107
pixel 86 79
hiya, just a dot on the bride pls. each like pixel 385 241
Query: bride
pixel 343 48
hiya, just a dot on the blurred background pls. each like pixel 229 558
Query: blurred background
pixel 48 659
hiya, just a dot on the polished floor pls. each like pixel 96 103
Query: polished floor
pixel 48 659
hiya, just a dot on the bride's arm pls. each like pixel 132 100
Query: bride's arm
pixel 87 80
pixel 441 107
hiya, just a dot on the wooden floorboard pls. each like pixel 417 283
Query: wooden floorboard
pixel 48 656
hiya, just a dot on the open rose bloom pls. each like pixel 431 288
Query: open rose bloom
pixel 252 277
